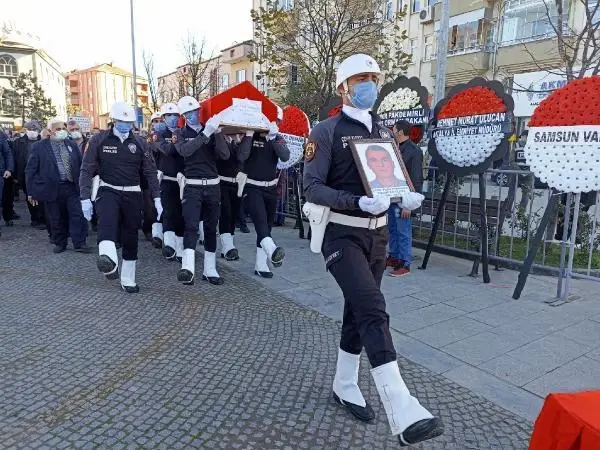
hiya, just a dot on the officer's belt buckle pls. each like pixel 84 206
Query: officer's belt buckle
pixel 372 223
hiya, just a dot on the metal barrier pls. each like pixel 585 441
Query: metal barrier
pixel 515 199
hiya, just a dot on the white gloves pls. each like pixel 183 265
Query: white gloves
pixel 273 130
pixel 375 205
pixel 249 133
pixel 212 125
pixel 159 208
pixel 412 200
pixel 87 209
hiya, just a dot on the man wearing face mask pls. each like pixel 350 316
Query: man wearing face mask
pixel 354 248
pixel 170 165
pixel 52 174
pixel 22 147
pixel 201 147
pixel 230 202
pixel 118 160
pixel 75 134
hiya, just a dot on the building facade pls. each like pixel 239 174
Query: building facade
pixel 232 66
pixel 21 53
pixel 91 92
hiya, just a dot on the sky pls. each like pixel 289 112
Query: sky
pixel 81 33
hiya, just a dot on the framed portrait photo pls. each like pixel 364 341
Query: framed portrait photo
pixel 381 168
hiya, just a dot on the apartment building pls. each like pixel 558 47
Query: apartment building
pixel 232 66
pixel 92 91
pixel 21 52
pixel 508 40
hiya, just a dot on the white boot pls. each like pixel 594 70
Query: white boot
pixel 261 268
pixel 402 409
pixel 210 269
pixel 108 261
pixel 179 247
pixel 201 233
pixel 188 266
pixel 274 253
pixel 170 246
pixel 157 234
pixel 128 277
pixel 228 250
pixel 345 386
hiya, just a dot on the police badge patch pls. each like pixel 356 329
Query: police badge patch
pixel 132 148
pixel 309 152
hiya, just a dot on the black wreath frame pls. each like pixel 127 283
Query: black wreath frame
pixel 501 148
pixel 402 81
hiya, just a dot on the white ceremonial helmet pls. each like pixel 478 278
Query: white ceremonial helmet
pixel 123 112
pixel 155 115
pixel 169 108
pixel 353 65
pixel 187 104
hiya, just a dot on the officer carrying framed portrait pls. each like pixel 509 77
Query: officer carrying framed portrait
pixel 381 168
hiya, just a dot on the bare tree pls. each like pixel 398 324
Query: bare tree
pixel 299 49
pixel 195 74
pixel 148 59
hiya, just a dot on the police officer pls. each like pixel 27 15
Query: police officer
pixel 111 175
pixel 200 146
pixel 156 127
pixel 260 195
pixel 230 202
pixel 354 248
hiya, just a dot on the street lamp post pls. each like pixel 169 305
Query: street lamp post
pixel 134 82
pixel 442 52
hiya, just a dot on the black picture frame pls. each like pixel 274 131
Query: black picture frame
pixel 391 143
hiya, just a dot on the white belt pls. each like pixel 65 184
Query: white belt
pixel 229 179
pixel 372 223
pixel 121 188
pixel 262 183
pixel 165 177
pixel 203 182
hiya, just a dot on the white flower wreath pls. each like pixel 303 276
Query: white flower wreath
pixel 402 99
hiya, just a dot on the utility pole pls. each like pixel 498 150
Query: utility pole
pixel 442 52
pixel 135 98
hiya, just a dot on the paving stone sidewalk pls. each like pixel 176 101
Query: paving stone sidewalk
pixel 513 352
pixel 236 366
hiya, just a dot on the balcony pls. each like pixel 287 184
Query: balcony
pixel 462 7
pixel 237 53
pixel 464 64
pixel 529 54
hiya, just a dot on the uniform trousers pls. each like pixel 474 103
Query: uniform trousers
pixel 230 207
pixel 172 217
pixel 260 203
pixel 119 219
pixel 66 218
pixel 201 202
pixel 356 258
pixel 8 199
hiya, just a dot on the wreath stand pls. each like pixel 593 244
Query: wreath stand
pixel 483 226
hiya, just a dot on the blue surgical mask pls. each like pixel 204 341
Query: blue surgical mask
pixel 364 94
pixel 192 117
pixel 160 127
pixel 171 121
pixel 123 127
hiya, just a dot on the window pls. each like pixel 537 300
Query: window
pixel 232 53
pixel 594 10
pixel 529 19
pixel 428 48
pixel 416 6
pixel 413 49
pixel 240 76
pixel 389 10
pixel 286 4
pixel 8 66
pixel 470 36
pixel 8 102
pixel 294 74
pixel 225 81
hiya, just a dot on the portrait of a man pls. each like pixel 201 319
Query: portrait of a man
pixel 382 165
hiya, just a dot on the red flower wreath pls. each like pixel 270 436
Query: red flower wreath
pixel 294 122
pixel 471 102
pixel 573 104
